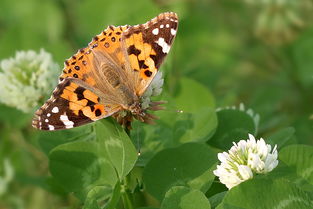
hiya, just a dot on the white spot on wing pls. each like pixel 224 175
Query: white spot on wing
pixel 161 26
pixel 49 114
pixel 55 110
pixel 66 121
pixel 167 25
pixel 155 31
pixel 51 128
pixel 46 120
pixel 164 45
pixel 173 32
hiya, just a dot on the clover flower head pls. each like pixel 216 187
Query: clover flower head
pixel 154 89
pixel 280 21
pixel 27 78
pixel 245 159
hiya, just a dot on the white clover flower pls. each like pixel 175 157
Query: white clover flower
pixel 280 21
pixel 26 78
pixel 154 89
pixel 245 158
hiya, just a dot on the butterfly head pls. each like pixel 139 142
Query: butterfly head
pixel 136 109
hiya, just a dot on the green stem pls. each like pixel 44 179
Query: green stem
pixel 127 196
pixel 127 201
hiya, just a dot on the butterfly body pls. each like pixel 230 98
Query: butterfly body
pixel 110 76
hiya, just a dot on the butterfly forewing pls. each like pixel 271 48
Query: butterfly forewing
pixel 147 45
pixel 109 41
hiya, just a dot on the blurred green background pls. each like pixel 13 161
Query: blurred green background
pixel 255 52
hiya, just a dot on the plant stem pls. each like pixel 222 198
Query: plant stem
pixel 127 201
pixel 126 196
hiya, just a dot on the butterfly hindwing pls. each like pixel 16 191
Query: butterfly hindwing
pixel 147 46
pixel 71 105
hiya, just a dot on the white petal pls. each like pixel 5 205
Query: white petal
pixel 251 137
pixel 231 181
pixel 270 163
pixel 223 157
pixel 255 163
pixel 245 172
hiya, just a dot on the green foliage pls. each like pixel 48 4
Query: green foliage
pixel 92 166
pixel 281 137
pixel 181 121
pixel 114 145
pixel 186 89
pixel 266 193
pixel 77 167
pixel 226 53
pixel 299 159
pixel 187 165
pixel 49 140
pixel 13 117
pixel 233 125
pixel 180 197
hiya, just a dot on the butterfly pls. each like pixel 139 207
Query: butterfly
pixel 109 76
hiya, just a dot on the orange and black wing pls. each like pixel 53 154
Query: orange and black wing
pixel 147 46
pixel 72 104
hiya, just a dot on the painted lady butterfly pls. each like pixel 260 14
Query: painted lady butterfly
pixel 109 76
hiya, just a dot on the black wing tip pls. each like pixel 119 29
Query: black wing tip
pixel 36 122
